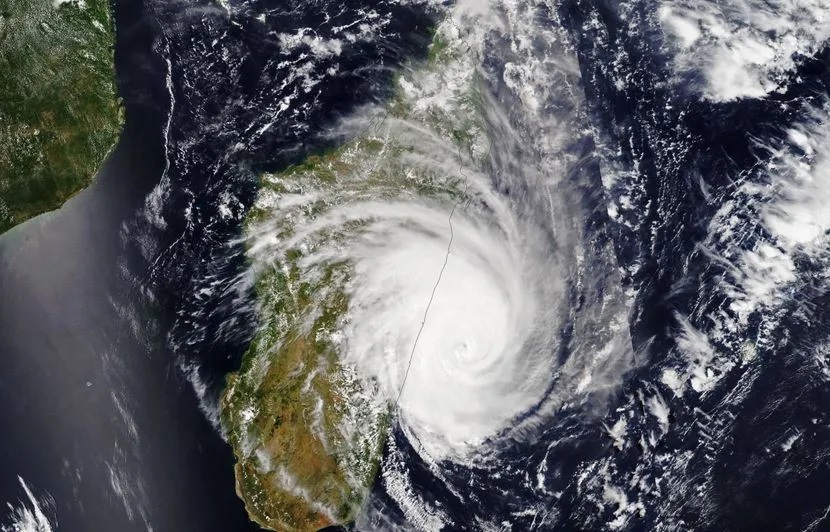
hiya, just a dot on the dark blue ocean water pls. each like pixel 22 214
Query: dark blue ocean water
pixel 96 417
pixel 98 312
pixel 101 304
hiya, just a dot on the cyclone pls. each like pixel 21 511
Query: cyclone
pixel 507 265
pixel 454 345
pixel 459 262
pixel 431 286
pixel 449 312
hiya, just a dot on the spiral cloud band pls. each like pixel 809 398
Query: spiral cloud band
pixel 459 295
pixel 447 328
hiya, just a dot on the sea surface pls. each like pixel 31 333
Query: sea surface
pixel 114 338
pixel 99 426
pixel 121 313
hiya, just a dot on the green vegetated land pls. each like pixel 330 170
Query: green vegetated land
pixel 59 111
pixel 288 410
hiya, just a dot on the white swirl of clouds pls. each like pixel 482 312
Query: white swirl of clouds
pixel 453 300
pixel 460 332
pixel 457 292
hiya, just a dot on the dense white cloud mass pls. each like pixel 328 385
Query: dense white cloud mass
pixel 744 48
pixel 790 203
pixel 459 292
pixel 473 317
pixel 35 514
